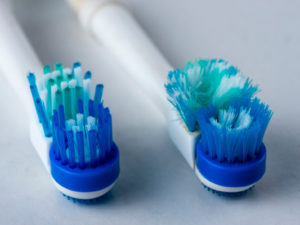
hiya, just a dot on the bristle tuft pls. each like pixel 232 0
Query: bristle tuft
pixel 235 133
pixel 81 127
pixel 202 83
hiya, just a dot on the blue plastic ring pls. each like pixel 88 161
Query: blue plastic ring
pixel 231 174
pixel 88 179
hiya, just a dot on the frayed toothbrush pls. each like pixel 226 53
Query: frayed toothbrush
pixel 115 27
pixel 16 59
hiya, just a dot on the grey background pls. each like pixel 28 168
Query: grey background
pixel 156 186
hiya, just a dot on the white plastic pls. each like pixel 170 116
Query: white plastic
pixel 115 27
pixel 184 140
pixel 83 195
pixel 17 59
pixel 41 143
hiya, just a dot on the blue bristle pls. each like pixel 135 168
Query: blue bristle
pixel 62 121
pixel 101 143
pixel 59 139
pixel 93 138
pixel 80 106
pixel 98 97
pixel 108 128
pixel 100 115
pixel 88 75
pixel 235 133
pixel 31 79
pixel 62 146
pixel 42 115
pixel 82 132
pixel 55 135
pixel 80 149
pixel 71 148
pixel 34 93
pixel 91 108
pixel 76 65
pixel 92 144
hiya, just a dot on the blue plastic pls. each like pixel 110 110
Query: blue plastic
pixel 231 174
pixel 88 179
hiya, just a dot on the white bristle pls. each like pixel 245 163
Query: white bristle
pixel 41 83
pixel 91 122
pixel 66 72
pixel 77 74
pixel 87 88
pixel 69 124
pixel 79 121
pixel 53 92
pixel 43 95
pixel 63 85
pixel 72 83
pixel 228 83
pixel 54 74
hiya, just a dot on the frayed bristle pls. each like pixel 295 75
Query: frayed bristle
pixel 202 83
pixel 235 133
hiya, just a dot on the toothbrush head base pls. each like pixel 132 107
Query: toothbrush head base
pixel 85 183
pixel 229 177
pixel 79 196
pixel 215 188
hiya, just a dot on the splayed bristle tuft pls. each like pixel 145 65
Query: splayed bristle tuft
pixel 202 83
pixel 235 133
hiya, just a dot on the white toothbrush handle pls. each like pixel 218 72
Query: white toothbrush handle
pixel 117 29
pixel 16 56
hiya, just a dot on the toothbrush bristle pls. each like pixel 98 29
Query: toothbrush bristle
pixel 59 87
pixel 204 82
pixel 80 127
pixel 87 142
pixel 235 133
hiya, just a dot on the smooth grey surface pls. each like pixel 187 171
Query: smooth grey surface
pixel 156 185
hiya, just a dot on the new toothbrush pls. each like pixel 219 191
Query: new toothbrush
pixel 84 160
pixel 77 166
pixel 115 27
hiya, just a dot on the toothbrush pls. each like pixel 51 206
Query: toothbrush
pixel 96 174
pixel 83 158
pixel 115 27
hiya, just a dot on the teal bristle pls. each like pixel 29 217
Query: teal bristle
pixel 63 86
pixel 81 127
pixel 234 133
pixel 202 83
